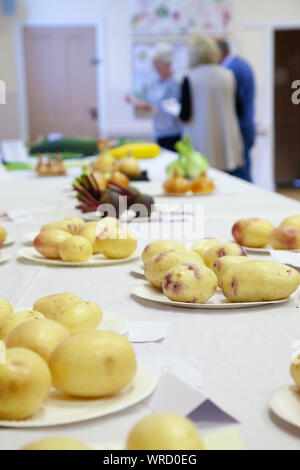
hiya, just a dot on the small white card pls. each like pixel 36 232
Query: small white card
pixel 19 215
pixel 14 151
pixel 286 257
pixel 148 331
pixel 187 401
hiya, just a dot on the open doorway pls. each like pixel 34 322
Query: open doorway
pixel 61 81
pixel 286 114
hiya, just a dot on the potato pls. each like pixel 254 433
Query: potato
pixel 42 337
pixel 86 225
pixel 252 232
pixel 56 443
pixel 80 317
pixel 164 431
pixel 75 250
pixel 50 304
pixel 3 234
pixel 73 225
pixel 89 233
pixel 222 264
pixel 226 249
pixel 205 244
pixel 119 246
pixel 157 267
pixel 161 246
pixel 285 237
pixel 295 371
pixel 5 310
pixel 190 283
pixel 15 319
pixel 25 383
pixel 53 226
pixel 259 281
pixel 47 242
pixel 293 221
pixel 96 364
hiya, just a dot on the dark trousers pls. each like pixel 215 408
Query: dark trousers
pixel 169 142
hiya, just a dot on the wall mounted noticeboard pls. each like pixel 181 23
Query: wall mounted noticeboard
pixel 180 17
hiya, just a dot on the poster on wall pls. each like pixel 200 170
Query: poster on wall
pixel 180 17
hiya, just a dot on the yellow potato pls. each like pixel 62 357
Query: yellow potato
pixel 259 281
pixel 164 431
pixel 75 250
pixel 205 244
pixel 86 225
pixel 42 337
pixel 73 225
pixel 293 221
pixel 3 234
pixel 121 245
pixel 56 443
pixel 226 249
pixel 15 319
pixel 157 267
pixel 80 317
pixel 190 283
pixel 252 232
pixel 285 237
pixel 89 233
pixel 47 242
pixel 222 264
pixel 53 226
pixel 96 364
pixel 25 383
pixel 5 310
pixel 50 304
pixel 161 246
pixel 295 371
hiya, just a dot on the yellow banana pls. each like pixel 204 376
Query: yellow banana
pixel 137 150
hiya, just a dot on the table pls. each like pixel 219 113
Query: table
pixel 242 355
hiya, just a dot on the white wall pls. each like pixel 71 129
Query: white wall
pixel 113 16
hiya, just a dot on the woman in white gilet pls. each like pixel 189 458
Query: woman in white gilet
pixel 208 107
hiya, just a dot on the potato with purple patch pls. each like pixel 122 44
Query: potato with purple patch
pixel 226 262
pixel 252 232
pixel 259 281
pixel 190 283
pixel 285 237
pixel 294 221
pixel 157 266
pixel 47 242
pixel 161 246
pixel 205 244
pixel 226 249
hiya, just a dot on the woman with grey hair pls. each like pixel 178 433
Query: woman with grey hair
pixel 166 128
pixel 208 107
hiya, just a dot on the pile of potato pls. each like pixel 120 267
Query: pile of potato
pixel 193 275
pixel 57 344
pixel 74 240
pixel 3 236
pixel 257 233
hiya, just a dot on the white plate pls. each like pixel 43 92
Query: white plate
pixel 62 409
pixel 188 194
pixel 146 291
pixel 110 321
pixel 265 249
pixel 29 237
pixel 31 254
pixel 139 269
pixel 285 403
pixel 3 257
pixel 9 241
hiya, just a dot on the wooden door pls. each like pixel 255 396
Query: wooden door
pixel 61 79
pixel 287 114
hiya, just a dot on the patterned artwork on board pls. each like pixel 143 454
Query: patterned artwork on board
pixel 173 17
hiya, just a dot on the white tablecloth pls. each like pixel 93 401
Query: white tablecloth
pixel 242 355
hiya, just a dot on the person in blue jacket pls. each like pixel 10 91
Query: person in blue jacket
pixel 244 104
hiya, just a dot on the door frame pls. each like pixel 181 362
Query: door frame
pixel 21 75
pixel 269 28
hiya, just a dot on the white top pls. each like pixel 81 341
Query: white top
pixel 214 127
